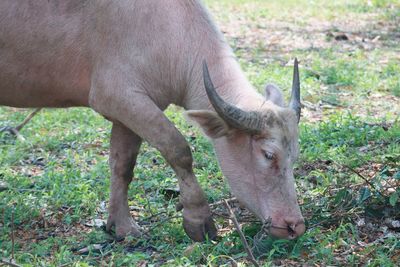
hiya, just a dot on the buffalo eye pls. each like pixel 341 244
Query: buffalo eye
pixel 269 155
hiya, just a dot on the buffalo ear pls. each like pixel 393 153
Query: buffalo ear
pixel 211 124
pixel 274 94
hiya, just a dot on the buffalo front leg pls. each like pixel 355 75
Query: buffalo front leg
pixel 124 148
pixel 143 117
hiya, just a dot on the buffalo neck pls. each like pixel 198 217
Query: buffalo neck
pixel 228 78
pixel 230 83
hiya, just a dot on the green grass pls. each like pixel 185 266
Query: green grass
pixel 58 179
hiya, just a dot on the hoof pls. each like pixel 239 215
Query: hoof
pixel 123 228
pixel 199 230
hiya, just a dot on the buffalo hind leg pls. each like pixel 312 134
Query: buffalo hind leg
pixel 124 149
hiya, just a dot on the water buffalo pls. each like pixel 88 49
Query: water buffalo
pixel 128 60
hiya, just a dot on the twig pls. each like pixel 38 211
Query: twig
pixel 66 264
pixel 153 216
pixel 4 216
pixel 101 256
pixel 9 263
pixel 27 119
pixel 12 234
pixel 15 130
pixel 88 258
pixel 159 223
pixel 148 202
pixel 242 237
pixel 222 202
pixel 359 175
pixel 179 205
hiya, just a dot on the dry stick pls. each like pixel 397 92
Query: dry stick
pixel 159 223
pixel 27 119
pixel 359 175
pixel 9 263
pixel 15 130
pixel 148 202
pixel 12 234
pixel 92 259
pixel 179 205
pixel 4 216
pixel 153 216
pixel 222 202
pixel 242 237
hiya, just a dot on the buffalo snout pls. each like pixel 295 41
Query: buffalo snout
pixel 288 228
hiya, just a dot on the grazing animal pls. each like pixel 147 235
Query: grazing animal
pixel 128 60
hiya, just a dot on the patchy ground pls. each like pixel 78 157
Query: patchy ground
pixel 54 185
pixel 355 36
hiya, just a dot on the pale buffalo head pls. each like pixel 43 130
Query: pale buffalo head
pixel 256 150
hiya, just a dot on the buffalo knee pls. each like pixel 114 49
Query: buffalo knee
pixel 181 157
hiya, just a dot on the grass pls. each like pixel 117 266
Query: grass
pixel 348 174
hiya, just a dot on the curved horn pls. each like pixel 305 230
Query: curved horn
pixel 295 96
pixel 233 116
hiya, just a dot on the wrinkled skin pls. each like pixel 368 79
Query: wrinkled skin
pixel 129 60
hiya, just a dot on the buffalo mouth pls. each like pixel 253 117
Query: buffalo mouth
pixel 290 232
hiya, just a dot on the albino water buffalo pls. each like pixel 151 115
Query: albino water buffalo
pixel 128 60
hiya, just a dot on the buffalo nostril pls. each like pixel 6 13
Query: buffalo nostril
pixel 292 231
pixel 292 228
pixel 295 229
